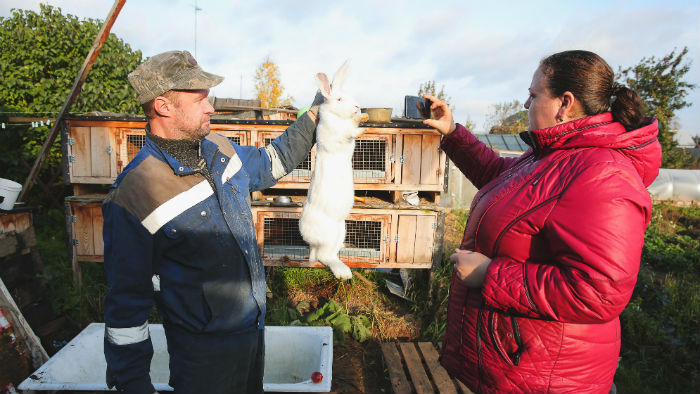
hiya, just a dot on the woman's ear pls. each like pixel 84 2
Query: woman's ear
pixel 568 110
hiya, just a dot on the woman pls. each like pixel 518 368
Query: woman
pixel 552 246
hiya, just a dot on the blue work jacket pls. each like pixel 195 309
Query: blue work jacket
pixel 171 238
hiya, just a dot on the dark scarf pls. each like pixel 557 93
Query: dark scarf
pixel 186 151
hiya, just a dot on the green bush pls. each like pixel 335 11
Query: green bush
pixel 660 336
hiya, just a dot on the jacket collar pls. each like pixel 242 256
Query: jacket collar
pixel 601 131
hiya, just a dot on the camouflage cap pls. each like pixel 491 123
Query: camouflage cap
pixel 173 70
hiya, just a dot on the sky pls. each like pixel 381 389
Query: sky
pixel 482 52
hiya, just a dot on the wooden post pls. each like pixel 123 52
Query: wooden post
pixel 74 92
pixel 22 328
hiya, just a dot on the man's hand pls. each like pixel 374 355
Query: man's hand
pixel 443 122
pixel 313 111
pixel 470 267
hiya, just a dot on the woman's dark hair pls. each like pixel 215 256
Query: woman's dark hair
pixel 591 80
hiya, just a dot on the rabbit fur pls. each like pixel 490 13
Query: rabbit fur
pixel 331 193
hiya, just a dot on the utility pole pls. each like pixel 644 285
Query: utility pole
pixel 195 27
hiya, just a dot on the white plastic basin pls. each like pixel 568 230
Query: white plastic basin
pixel 292 354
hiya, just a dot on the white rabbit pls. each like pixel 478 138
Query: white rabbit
pixel 331 193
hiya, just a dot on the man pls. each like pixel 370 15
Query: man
pixel 178 230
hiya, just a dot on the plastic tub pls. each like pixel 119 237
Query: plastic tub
pixel 292 354
pixel 9 191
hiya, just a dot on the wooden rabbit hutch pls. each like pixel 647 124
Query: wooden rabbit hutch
pixel 382 230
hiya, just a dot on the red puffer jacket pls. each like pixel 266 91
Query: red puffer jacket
pixel 564 224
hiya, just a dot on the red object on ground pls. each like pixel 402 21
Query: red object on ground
pixel 316 377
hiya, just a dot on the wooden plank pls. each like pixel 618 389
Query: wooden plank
pixel 91 259
pixel 369 263
pixel 357 186
pixel 82 230
pixel 441 378
pixel 82 160
pixel 97 224
pixel 100 151
pixel 15 222
pixel 410 172
pixel 425 233
pixel 22 328
pixel 114 155
pixel 462 387
pixel 392 359
pixel 430 160
pixel 93 180
pixel 420 379
pixel 398 168
pixel 407 239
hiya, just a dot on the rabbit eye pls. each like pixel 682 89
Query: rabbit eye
pixel 340 99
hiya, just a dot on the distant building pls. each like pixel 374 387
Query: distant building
pixel 226 108
pixel 684 139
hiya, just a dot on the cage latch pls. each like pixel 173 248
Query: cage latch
pixel 71 159
pixel 397 237
pixel 109 150
pixel 75 242
pixel 401 159
pixel 74 219
pixel 71 141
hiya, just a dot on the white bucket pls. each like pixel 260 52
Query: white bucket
pixel 9 191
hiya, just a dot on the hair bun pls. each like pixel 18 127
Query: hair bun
pixel 617 88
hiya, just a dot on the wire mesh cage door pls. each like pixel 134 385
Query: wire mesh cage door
pixel 238 137
pixel 302 172
pixel 371 159
pixel 281 242
pixel 132 140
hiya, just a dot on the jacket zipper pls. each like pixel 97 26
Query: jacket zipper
pixel 518 341
pixel 492 334
pixel 478 346
pixel 511 171
pixel 514 358
pixel 642 145
pixel 497 244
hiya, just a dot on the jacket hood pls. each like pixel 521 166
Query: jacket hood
pixel 601 131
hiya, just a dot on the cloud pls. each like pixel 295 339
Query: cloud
pixel 484 53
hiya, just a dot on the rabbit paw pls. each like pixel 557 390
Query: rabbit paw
pixel 341 271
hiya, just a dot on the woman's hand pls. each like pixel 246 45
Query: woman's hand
pixel 470 267
pixel 443 122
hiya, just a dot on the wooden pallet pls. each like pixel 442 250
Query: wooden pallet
pixel 425 374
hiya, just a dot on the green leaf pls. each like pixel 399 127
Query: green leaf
pixel 360 328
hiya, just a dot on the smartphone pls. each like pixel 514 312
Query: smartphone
pixel 416 107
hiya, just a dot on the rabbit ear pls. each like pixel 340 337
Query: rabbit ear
pixel 324 85
pixel 339 77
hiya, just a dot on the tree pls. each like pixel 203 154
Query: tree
pixel 269 86
pixel 429 88
pixel 469 124
pixel 507 118
pixel 41 55
pixel 660 84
